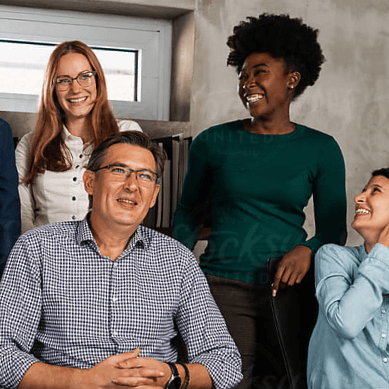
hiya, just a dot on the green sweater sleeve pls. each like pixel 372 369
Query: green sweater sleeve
pixel 329 197
pixel 191 210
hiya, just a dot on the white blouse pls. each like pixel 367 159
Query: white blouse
pixel 56 196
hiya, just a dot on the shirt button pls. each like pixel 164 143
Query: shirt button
pixel 74 198
pixel 115 265
pixel 385 360
pixel 81 155
pixel 383 335
pixel 114 299
pixel 74 217
pixel 383 311
pixel 115 333
pixel 74 179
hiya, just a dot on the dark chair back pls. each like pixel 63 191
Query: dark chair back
pixel 294 312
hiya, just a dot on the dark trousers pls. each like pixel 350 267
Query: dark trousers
pixel 247 311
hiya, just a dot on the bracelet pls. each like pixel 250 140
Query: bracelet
pixel 186 383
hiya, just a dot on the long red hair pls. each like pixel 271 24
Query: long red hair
pixel 48 150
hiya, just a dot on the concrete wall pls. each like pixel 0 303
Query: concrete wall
pixel 350 100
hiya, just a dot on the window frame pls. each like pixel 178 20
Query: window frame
pixel 152 37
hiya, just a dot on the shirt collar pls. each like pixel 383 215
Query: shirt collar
pixel 362 252
pixel 70 139
pixel 84 235
pixel 67 136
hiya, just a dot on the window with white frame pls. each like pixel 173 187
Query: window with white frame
pixel 134 52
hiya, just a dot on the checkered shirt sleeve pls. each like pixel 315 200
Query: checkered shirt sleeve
pixel 63 303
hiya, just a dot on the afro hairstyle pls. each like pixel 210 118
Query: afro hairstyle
pixel 282 37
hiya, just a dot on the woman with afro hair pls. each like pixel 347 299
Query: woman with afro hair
pixel 251 179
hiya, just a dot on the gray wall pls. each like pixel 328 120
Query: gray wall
pixel 350 100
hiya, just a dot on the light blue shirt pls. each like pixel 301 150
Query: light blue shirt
pixel 349 345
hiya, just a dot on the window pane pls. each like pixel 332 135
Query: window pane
pixel 23 65
pixel 120 72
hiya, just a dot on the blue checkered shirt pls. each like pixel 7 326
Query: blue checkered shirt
pixel 63 303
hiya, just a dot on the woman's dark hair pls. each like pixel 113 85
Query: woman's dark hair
pixel 282 37
pixel 381 172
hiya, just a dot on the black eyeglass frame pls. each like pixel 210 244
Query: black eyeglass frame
pixel 129 171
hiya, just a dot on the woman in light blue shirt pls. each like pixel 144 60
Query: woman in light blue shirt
pixel 349 345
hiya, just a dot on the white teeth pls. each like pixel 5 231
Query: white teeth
pixel 254 98
pixel 126 201
pixel 361 210
pixel 78 100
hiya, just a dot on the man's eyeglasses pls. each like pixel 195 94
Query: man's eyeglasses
pixel 84 79
pixel 121 173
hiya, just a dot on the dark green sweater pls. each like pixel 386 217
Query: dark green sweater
pixel 254 188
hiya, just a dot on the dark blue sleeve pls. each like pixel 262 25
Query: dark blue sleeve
pixel 9 195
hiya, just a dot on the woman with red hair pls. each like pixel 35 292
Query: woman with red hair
pixel 74 117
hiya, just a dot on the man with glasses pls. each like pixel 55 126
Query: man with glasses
pixel 98 303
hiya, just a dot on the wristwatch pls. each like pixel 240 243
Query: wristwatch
pixel 175 379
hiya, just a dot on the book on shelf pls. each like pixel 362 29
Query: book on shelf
pixel 176 147
pixel 165 196
pixel 158 204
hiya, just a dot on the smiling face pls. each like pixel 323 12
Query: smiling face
pixel 265 87
pixel 372 210
pixel 77 102
pixel 121 205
